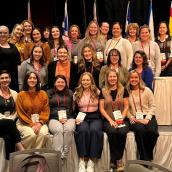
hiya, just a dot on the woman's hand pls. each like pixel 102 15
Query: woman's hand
pixel 143 121
pixel 133 120
pixel 78 121
pixel 113 123
pixel 36 127
pixel 63 120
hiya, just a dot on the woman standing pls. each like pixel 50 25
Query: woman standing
pixel 165 44
pixel 89 135
pixel 114 108
pixel 36 41
pixel 151 49
pixel 8 130
pixel 35 64
pixel 121 44
pixel 9 57
pixel 140 64
pixel 33 112
pixel 142 116
pixel 16 38
pixel 63 66
pixel 55 41
pixel 62 122
pixel 89 63
pixel 93 37
pixel 113 62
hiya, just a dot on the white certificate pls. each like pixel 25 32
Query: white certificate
pixel 62 114
pixel 117 115
pixel 35 117
pixel 139 115
pixel 81 116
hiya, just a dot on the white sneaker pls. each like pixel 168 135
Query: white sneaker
pixel 90 166
pixel 82 166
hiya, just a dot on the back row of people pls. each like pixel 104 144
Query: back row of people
pixel 88 111
pixel 156 56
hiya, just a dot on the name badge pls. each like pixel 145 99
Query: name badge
pixel 7 113
pixel 55 59
pixel 139 115
pixel 81 116
pixel 99 56
pixel 62 114
pixel 35 117
pixel 117 115
pixel 149 62
pixel 163 57
pixel 75 59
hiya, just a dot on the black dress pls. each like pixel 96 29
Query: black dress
pixel 9 60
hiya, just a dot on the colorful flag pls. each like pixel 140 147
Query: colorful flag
pixel 65 24
pixel 29 11
pixel 95 10
pixel 150 21
pixel 128 16
pixel 170 20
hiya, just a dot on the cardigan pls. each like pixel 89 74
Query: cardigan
pixel 28 103
pixel 123 75
pixel 26 67
pixel 147 103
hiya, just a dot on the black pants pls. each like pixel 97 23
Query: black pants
pixel 10 134
pixel 146 137
pixel 89 138
pixel 117 139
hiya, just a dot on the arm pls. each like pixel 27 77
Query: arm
pixel 47 53
pixel 104 113
pixel 157 60
pixel 129 53
pixel 126 107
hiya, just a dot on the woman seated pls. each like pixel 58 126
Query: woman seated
pixel 35 64
pixel 140 64
pixel 89 135
pixel 114 108
pixel 142 116
pixel 8 130
pixel 33 112
pixel 62 122
pixel 113 62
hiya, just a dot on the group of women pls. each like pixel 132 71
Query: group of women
pixel 82 89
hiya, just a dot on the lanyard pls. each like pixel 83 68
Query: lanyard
pixel 110 45
pixel 118 104
pixel 58 101
pixel 135 102
pixel 144 50
pixel 38 71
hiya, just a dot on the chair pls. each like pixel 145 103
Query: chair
pixel 144 166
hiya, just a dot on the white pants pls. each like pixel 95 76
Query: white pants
pixel 30 140
pixel 62 135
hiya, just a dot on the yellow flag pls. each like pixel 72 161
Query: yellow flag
pixel 170 21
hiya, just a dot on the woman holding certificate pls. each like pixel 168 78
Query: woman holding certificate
pixel 62 122
pixel 33 111
pixel 142 116
pixel 89 135
pixel 114 108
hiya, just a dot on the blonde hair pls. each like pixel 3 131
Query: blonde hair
pixel 141 83
pixel 135 26
pixel 79 90
pixel 107 87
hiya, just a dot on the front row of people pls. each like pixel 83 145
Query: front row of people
pixel 88 111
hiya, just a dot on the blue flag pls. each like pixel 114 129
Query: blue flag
pixel 65 24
